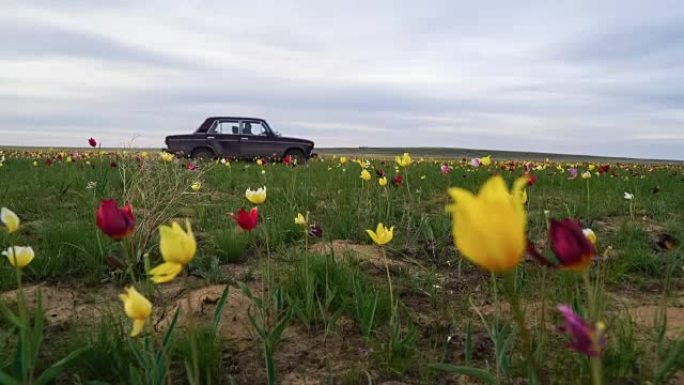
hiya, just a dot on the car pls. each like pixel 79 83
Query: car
pixel 237 137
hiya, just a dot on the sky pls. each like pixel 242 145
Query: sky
pixel 580 77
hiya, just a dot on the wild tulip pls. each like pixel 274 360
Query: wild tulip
pixel 92 142
pixel 382 181
pixel 300 220
pixel 380 173
pixel 586 175
pixel 628 196
pixel 287 160
pixel 585 338
pixel 382 235
pixel 365 175
pixel 591 235
pixel 573 173
pixel 315 231
pixel 256 197
pixel 137 308
pixel 475 162
pixel 247 220
pixel 444 169
pixel 490 229
pixel 404 160
pixel 19 256
pixel 177 247
pixel 115 222
pixel 486 160
pixel 196 186
pixel 571 246
pixel 398 180
pixel 9 219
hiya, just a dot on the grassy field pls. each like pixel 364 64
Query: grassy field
pixel 288 305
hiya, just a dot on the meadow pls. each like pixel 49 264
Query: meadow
pixel 299 292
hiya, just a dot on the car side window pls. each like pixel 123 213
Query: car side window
pixel 253 128
pixel 227 127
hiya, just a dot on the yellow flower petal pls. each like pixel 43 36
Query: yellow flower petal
pixel 165 272
pixel 10 219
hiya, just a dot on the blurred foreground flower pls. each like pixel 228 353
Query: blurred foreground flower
pixel 585 338
pixel 256 197
pixel 382 235
pixel 177 247
pixel 490 228
pixel 137 308
pixel 114 221
pixel 9 219
pixel 247 220
pixel 404 160
pixel 19 256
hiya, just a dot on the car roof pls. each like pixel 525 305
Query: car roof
pixel 233 117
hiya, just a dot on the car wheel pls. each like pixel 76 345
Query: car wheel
pixel 296 154
pixel 203 154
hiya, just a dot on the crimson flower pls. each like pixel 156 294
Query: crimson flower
pixel 117 222
pixel 287 160
pixel 572 248
pixel 585 338
pixel 191 166
pixel 113 164
pixel 380 173
pixel 315 231
pixel 48 162
pixel 531 179
pixel 92 142
pixel 398 180
pixel 247 219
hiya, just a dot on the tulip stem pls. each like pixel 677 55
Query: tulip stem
pixel 596 364
pixel 588 199
pixel 509 283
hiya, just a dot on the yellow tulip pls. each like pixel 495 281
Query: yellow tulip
pixel 196 186
pixel 586 175
pixel 260 162
pixel 177 247
pixel 490 229
pixel 343 159
pixel 382 181
pixel 382 235
pixel 9 219
pixel 365 175
pixel 403 161
pixel 137 307
pixel 300 220
pixel 19 256
pixel 166 156
pixel 256 197
pixel 486 160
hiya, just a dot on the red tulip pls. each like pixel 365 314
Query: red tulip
pixel 572 248
pixel 398 180
pixel 287 160
pixel 247 219
pixel 92 142
pixel 531 179
pixel 117 222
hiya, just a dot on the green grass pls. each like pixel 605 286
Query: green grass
pixel 339 303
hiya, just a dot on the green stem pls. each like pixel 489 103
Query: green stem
pixel 596 364
pixel 588 199
pixel 519 316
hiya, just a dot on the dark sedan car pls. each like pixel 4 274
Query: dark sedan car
pixel 246 138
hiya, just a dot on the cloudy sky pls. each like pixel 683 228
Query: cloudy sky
pixel 594 77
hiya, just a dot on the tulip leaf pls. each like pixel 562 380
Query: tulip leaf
pixel 6 379
pixel 56 369
pixel 480 374
pixel 219 309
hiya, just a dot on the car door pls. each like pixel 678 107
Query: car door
pixel 256 140
pixel 225 137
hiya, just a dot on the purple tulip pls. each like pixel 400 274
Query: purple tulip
pixel 584 338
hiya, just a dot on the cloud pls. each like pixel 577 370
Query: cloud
pixel 577 77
